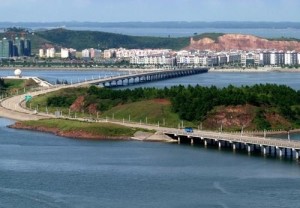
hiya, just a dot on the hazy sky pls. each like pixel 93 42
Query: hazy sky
pixel 149 10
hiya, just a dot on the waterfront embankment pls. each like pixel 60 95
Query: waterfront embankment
pixel 253 70
pixel 91 130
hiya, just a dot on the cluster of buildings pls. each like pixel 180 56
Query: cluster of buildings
pixel 211 58
pixel 17 47
pixel 181 58
pixel 66 53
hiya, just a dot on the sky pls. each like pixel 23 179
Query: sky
pixel 149 10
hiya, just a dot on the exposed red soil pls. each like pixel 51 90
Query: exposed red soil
pixel 78 104
pixel 92 108
pixel 162 101
pixel 241 42
pixel 277 120
pixel 231 116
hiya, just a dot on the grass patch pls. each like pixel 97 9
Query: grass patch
pixel 101 129
pixel 150 111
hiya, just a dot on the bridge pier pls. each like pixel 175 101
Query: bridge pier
pixel 249 148
pixel 297 154
pixel 264 150
pixel 205 142
pixel 220 144
pixel 178 140
pixel 280 152
pixel 192 141
pixel 233 146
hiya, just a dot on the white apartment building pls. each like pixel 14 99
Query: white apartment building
pixel 64 53
pixel 152 60
pixel 41 53
pixel 291 58
pixel 85 53
pixel 50 53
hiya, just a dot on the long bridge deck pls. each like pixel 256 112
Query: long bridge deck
pixel 266 146
pixel 142 77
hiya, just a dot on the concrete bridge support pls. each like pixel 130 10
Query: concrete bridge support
pixel 205 142
pixel 297 154
pixel 264 150
pixel 249 148
pixel 280 152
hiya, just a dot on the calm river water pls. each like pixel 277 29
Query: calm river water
pixel 42 170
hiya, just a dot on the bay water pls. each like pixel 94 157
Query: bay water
pixel 40 170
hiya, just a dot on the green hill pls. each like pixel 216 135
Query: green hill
pixel 91 39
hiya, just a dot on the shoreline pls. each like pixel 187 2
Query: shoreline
pixel 68 134
pixel 138 136
pixel 82 135
pixel 253 70
pixel 228 70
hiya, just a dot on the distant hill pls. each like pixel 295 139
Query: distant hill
pixel 92 39
pixel 221 42
pixel 165 24
pixel 208 41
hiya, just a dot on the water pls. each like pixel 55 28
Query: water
pixel 72 76
pixel 41 170
pixel 221 79
pixel 218 79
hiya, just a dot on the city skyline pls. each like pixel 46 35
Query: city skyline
pixel 149 10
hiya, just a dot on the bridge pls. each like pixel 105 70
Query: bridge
pixel 251 144
pixel 137 78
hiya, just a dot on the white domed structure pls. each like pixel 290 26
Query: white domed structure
pixel 18 72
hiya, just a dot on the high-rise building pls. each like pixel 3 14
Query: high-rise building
pixel 6 48
pixel 27 47
pixel 18 49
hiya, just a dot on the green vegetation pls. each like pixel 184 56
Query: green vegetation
pixel 171 105
pixel 284 39
pixel 154 111
pixel 91 39
pixel 14 85
pixel 97 129
pixel 213 36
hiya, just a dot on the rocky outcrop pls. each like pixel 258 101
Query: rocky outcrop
pixel 241 42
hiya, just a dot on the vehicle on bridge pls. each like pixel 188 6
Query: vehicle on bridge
pixel 188 130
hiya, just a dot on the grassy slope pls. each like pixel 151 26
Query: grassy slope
pixel 103 129
pixel 40 101
pixel 14 83
pixel 154 110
